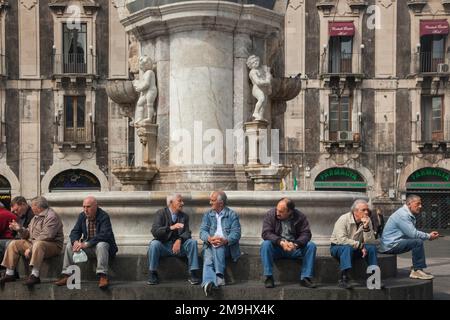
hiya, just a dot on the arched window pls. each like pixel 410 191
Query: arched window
pixel 74 180
pixel 340 179
pixel 5 192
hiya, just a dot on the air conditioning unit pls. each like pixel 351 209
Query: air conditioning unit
pixel 443 68
pixel 345 136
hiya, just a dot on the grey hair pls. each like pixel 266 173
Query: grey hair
pixel 171 197
pixel 355 204
pixel 411 198
pixel 40 202
pixel 222 196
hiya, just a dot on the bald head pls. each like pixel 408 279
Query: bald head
pixel 90 207
pixel 285 207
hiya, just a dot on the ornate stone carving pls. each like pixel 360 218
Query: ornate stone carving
pixel 121 8
pixel 133 57
pixel 28 4
pixel 357 5
pixel 148 91
pixel 285 89
pixel 416 5
pixel 3 4
pixel 295 4
pixel 262 85
pixel 59 6
pixel 326 6
pixel 135 178
pixel 122 92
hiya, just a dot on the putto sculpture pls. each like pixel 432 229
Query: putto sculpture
pixel 262 85
pixel 146 86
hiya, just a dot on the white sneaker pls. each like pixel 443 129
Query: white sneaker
pixel 220 281
pixel 420 274
pixel 207 288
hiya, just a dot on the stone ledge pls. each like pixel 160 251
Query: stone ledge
pixel 248 268
pixel 396 289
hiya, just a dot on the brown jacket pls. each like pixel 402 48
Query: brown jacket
pixel 46 226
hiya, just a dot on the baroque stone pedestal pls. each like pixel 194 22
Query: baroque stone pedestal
pixel 267 177
pixel 148 134
pixel 135 178
pixel 265 174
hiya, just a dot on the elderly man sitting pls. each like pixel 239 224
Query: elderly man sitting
pixel 44 238
pixel 353 237
pixel 92 233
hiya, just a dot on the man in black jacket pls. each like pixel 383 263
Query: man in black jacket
pixel 172 237
pixel 287 235
pixel 93 234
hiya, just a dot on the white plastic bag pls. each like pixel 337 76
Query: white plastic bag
pixel 80 256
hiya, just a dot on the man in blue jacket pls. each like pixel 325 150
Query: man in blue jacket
pixel 220 232
pixel 93 234
pixel 400 235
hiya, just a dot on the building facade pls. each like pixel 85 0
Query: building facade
pixel 59 131
pixel 371 115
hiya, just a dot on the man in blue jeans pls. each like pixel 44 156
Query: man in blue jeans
pixel 353 237
pixel 220 232
pixel 172 237
pixel 287 235
pixel 400 235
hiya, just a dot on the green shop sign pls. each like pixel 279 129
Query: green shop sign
pixel 339 174
pixel 428 185
pixel 340 184
pixel 430 174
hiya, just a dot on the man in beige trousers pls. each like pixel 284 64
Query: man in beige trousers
pixel 42 239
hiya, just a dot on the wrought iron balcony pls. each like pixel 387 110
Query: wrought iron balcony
pixel 344 64
pixel 66 64
pixel 429 62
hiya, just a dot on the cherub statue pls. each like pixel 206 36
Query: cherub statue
pixel 146 85
pixel 262 85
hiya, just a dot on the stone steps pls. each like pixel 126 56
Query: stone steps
pixel 248 268
pixel 401 288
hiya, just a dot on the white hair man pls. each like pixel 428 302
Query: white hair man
pixel 172 237
pixel 44 238
pixel 353 237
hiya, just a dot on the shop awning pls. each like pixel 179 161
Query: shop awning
pixel 428 27
pixel 341 28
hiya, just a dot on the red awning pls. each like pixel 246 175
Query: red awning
pixel 341 29
pixel 433 27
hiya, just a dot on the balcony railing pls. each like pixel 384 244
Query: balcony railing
pixel 429 62
pixel 74 64
pixel 77 135
pixel 345 63
pixel 3 71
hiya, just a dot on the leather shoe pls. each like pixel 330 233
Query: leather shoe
pixel 63 281
pixel 32 280
pixel 269 283
pixel 103 283
pixel 153 278
pixel 344 283
pixel 6 278
pixel 307 282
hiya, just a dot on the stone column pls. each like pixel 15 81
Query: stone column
pixel 202 47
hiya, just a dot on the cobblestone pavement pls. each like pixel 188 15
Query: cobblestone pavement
pixel 438 260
